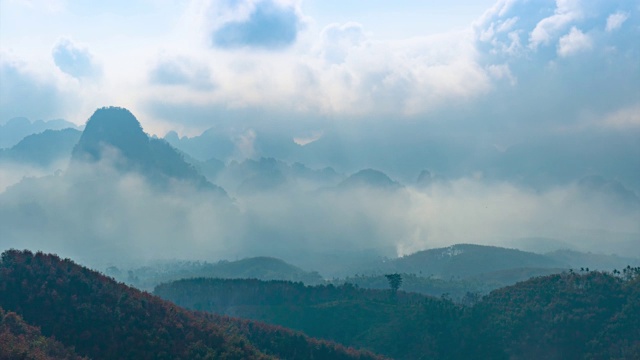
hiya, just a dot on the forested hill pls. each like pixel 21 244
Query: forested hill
pixel 19 340
pixel 560 316
pixel 103 319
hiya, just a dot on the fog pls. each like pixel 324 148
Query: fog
pixel 100 216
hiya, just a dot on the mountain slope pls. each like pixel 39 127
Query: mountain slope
pixel 16 129
pixel 19 340
pixel 467 260
pixel 406 326
pixel 369 178
pixel 560 316
pixel 114 135
pixel 104 319
pixel 43 149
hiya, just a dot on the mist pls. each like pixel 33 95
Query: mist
pixel 101 216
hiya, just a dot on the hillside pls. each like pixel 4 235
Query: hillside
pixel 372 319
pixel 103 319
pixel 19 340
pixel 563 316
pixel 465 260
pixel 560 316
pixel 43 149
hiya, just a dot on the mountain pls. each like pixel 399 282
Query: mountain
pixel 466 260
pixel 103 319
pixel 613 189
pixel 43 149
pixel 268 174
pixel 113 134
pixel 262 268
pixel 227 142
pixel 210 143
pixel 369 178
pixel 566 158
pixel 18 128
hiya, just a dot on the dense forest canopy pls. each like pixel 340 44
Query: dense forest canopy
pixel 573 315
pixel 103 319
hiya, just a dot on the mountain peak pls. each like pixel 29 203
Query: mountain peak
pixel 371 178
pixel 116 127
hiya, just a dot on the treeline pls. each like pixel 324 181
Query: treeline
pixel 561 316
pixel 102 319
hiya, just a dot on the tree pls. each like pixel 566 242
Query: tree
pixel 395 281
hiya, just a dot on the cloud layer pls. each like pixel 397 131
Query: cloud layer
pixel 135 220
pixel 268 56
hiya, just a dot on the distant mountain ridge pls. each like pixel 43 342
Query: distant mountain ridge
pixel 43 149
pixel 472 261
pixel 262 268
pixel 369 178
pixel 18 128
pixel 116 128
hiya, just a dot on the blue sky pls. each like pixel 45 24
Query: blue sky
pixel 182 65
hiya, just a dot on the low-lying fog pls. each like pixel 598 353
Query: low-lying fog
pixel 99 216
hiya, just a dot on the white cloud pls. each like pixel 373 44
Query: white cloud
pixel 181 71
pixel 628 117
pixel 566 12
pixel 615 21
pixel 337 40
pixel 502 72
pixel 24 92
pixel 574 42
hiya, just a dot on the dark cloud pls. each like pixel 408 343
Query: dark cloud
pixel 181 72
pixel 73 60
pixel 270 26
pixel 22 94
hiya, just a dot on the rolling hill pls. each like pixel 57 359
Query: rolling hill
pixel 103 319
pixel 559 316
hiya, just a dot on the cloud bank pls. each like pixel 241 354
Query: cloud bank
pixel 101 216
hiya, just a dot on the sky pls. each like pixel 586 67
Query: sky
pixel 185 65
pixel 510 104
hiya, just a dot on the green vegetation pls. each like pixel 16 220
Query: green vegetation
pixel 103 319
pixel 19 340
pixel 560 316
pixel 395 281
